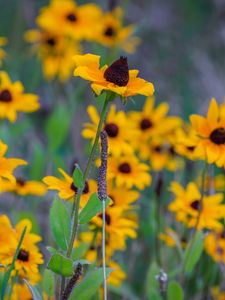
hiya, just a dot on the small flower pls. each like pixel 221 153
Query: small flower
pixel 211 135
pixel 117 276
pixel 20 291
pixel 7 165
pixel 188 204
pixel 13 99
pixel 215 245
pixel 67 189
pixel 128 171
pixel 116 78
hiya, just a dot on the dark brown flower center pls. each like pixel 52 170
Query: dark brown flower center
pixel 158 149
pixel 145 124
pixel 222 235
pixel 217 136
pixel 118 72
pixel 109 31
pixel 191 148
pixel 125 168
pixel 23 255
pixel 111 129
pixel 107 218
pixel 73 187
pixel 20 181
pixel 5 96
pixel 86 188
pixel 71 17
pixel 172 150
pixel 196 205
pixel 51 42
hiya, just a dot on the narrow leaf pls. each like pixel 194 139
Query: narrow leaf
pixel 78 177
pixel 48 283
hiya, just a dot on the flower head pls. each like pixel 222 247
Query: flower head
pixel 13 99
pixel 116 78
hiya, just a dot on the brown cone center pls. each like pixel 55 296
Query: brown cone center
pixel 217 136
pixel 125 168
pixel 109 31
pixel 71 17
pixel 23 255
pixel 111 129
pixel 145 124
pixel 5 96
pixel 196 205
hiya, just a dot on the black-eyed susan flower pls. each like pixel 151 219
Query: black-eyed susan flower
pixel 189 206
pixel 112 34
pixel 211 132
pixel 3 42
pixel 129 172
pixel 29 257
pixel 20 291
pixel 214 244
pixel 23 187
pixel 117 126
pixel 116 78
pixel 67 18
pixel 13 99
pixel 66 188
pixel 170 237
pixel 55 52
pixel 217 293
pixel 8 165
pixel 117 276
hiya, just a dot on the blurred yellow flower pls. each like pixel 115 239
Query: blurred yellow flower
pixel 128 171
pixel 116 78
pixel 117 127
pixel 189 207
pixel 215 245
pixel 117 276
pixel 13 99
pixel 7 165
pixel 66 18
pixel 217 293
pixel 20 292
pixel 55 52
pixel 3 42
pixel 170 237
pixel 211 135
pixel 23 187
pixel 66 188
pixel 111 32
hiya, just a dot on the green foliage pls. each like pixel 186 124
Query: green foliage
pixel 175 291
pixel 78 177
pixel 60 224
pixel 87 288
pixel 61 265
pixel 152 286
pixel 193 252
pixel 91 209
pixel 48 283
pixel 35 293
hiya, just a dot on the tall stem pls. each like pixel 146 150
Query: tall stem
pixel 75 213
pixel 103 251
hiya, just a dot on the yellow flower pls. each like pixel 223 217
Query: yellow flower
pixel 211 133
pixel 116 78
pixel 3 42
pixel 29 257
pixel 188 204
pixel 55 52
pixel 65 17
pixel 23 187
pixel 13 99
pixel 217 293
pixel 117 127
pixel 170 237
pixel 7 165
pixel 111 32
pixel 20 292
pixel 215 245
pixel 66 188
pixel 117 275
pixel 216 183
pixel 128 171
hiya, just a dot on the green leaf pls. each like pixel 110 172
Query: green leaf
pixel 80 251
pixel 152 285
pixel 60 224
pixel 78 177
pixel 48 283
pixel 193 252
pixel 91 209
pixel 175 291
pixel 57 127
pixel 35 294
pixel 52 250
pixel 7 274
pixel 62 265
pixel 90 284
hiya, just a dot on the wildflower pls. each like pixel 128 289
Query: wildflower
pixel 117 126
pixel 29 257
pixel 215 245
pixel 112 34
pixel 55 52
pixel 3 42
pixel 69 19
pixel 67 189
pixel 128 172
pixel 7 165
pixel 189 203
pixel 170 237
pixel 20 291
pixel 116 78
pixel 13 99
pixel 117 276
pixel 23 187
pixel 217 293
pixel 211 133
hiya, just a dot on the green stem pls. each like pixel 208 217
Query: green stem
pixel 75 213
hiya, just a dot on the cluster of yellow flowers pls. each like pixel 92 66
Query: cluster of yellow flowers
pixel 63 25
